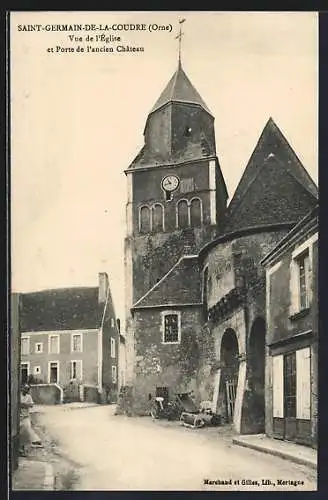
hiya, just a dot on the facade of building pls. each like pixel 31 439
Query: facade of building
pixel 195 288
pixel 292 334
pixel 71 335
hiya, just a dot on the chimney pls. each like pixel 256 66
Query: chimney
pixel 103 287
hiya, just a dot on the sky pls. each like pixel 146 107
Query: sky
pixel 77 122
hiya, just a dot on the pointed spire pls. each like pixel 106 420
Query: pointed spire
pixel 180 89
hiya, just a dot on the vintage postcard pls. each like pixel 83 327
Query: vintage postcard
pixel 164 229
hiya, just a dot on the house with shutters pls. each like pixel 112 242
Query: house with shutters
pixel 195 286
pixel 292 334
pixel 70 337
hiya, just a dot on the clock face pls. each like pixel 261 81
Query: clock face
pixel 170 183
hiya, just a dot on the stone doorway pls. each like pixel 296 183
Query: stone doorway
pixel 229 374
pixel 256 377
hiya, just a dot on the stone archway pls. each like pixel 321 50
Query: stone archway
pixel 229 363
pixel 256 376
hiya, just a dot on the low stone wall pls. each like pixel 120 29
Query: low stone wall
pixel 90 394
pixel 46 394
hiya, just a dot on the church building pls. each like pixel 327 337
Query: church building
pixel 195 286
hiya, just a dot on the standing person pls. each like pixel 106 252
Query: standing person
pixel 27 435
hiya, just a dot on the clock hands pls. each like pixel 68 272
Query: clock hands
pixel 170 183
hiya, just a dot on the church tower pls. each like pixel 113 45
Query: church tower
pixel 176 192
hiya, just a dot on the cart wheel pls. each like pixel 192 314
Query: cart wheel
pixel 201 423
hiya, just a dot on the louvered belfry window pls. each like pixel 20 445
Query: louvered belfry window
pixel 183 217
pixel 144 222
pixel 171 328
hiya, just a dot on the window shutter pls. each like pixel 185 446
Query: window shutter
pixel 278 386
pixel 303 384
pixel 187 185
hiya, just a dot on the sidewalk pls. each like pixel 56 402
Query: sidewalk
pixel 33 475
pixel 290 451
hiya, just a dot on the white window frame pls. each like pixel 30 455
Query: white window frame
pixel 177 212
pixel 26 337
pixel 112 322
pixel 49 343
pixel 35 347
pixel 35 372
pixel 201 208
pixel 150 217
pixel 28 366
pixel 112 348
pixel 152 209
pixel 114 371
pixel 80 362
pixel 163 315
pixel 305 257
pixel 58 370
pixel 306 246
pixel 72 343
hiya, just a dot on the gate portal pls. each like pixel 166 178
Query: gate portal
pixel 230 367
pixel 231 389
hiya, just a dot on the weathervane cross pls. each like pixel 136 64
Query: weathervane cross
pixel 179 37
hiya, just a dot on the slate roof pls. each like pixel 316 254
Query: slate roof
pixel 180 286
pixel 194 151
pixel 180 89
pixel 270 141
pixel 262 196
pixel 310 221
pixel 61 309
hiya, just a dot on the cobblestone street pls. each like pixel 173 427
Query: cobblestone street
pixel 122 453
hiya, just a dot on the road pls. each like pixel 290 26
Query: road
pixel 123 453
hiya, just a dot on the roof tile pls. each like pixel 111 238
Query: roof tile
pixel 60 309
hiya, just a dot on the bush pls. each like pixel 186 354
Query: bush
pixel 31 380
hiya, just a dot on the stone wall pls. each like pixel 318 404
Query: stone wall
pixel 46 394
pixel 233 264
pixel 90 394
pixel 165 365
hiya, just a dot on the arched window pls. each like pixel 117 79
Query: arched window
pixel 144 220
pixel 158 217
pixel 182 214
pixel 196 212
